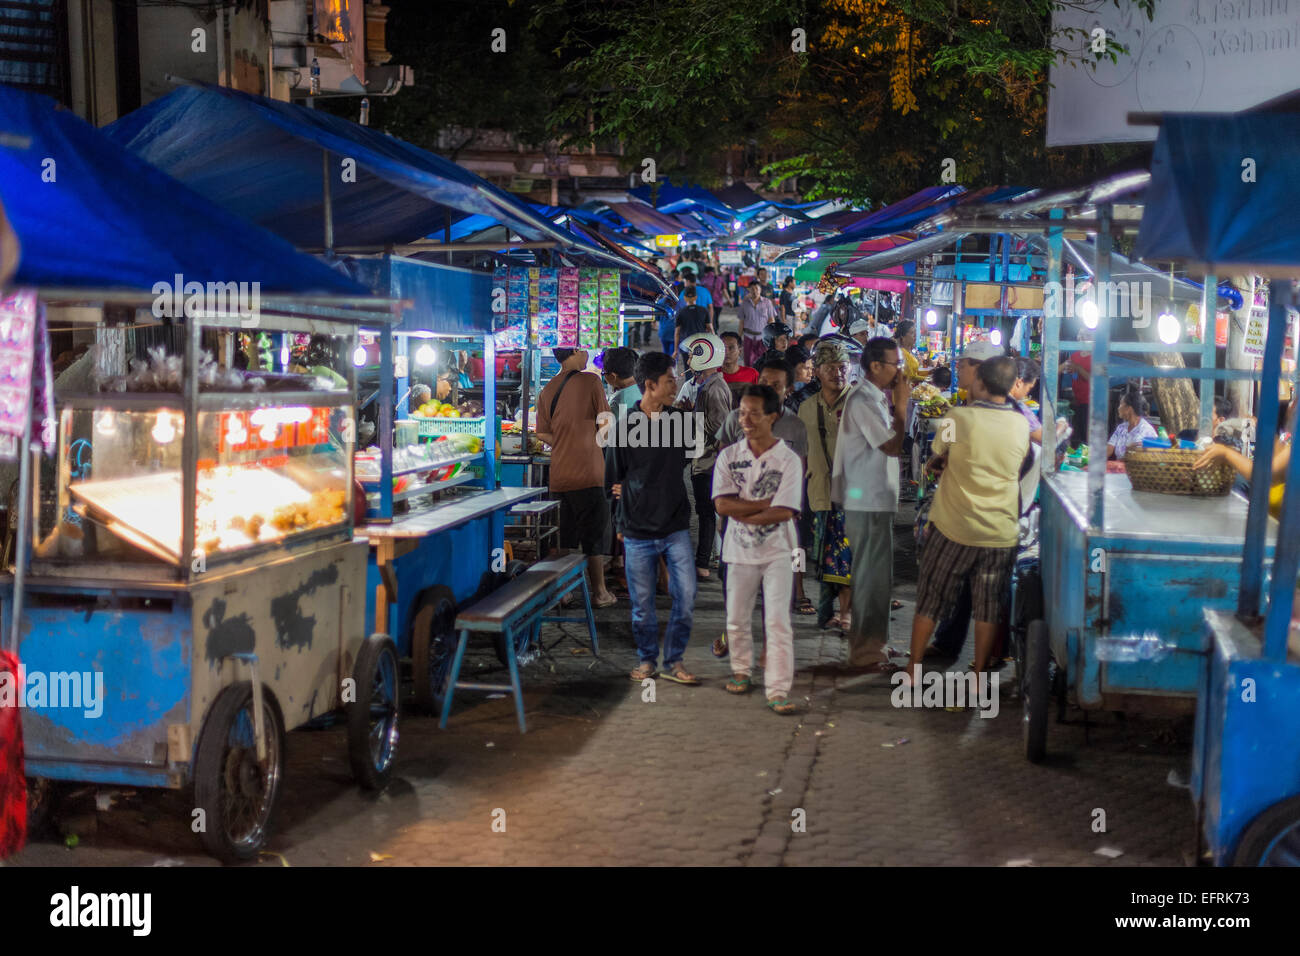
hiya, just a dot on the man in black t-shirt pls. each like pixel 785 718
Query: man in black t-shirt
pixel 692 319
pixel 645 461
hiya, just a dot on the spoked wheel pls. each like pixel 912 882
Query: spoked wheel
pixel 236 792
pixel 1273 837
pixel 1035 685
pixel 373 716
pixel 433 647
pixel 512 571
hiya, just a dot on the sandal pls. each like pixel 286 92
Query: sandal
pixel 740 684
pixel 895 605
pixel 781 705
pixel 680 675
pixel 643 671
pixel 805 606
pixel 719 647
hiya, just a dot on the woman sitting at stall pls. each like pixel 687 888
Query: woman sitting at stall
pixel 1245 467
pixel 1133 426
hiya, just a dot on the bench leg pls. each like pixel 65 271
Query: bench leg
pixel 591 616
pixel 454 676
pixel 514 677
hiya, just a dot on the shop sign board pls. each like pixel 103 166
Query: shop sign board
pixel 1255 331
pixel 1205 56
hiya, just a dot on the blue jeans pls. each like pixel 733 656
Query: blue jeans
pixel 641 562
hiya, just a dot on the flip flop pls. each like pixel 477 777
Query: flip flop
pixel 680 675
pixel 805 606
pixel 781 705
pixel 719 647
pixel 740 685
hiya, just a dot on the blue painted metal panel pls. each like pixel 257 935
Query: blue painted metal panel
pixel 1246 759
pixel 456 559
pixel 444 299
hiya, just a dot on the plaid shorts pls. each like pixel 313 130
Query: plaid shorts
pixel 946 565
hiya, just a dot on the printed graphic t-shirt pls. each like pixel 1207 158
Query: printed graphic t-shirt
pixel 775 474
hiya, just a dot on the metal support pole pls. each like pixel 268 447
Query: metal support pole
pixel 489 412
pixel 525 380
pixel 190 446
pixel 23 536
pixel 385 434
pixel 1261 478
pixel 1209 354
pixel 1099 393
pixel 1051 354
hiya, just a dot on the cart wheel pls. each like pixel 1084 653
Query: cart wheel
pixel 1035 691
pixel 1273 837
pixel 373 716
pixel 433 647
pixel 512 571
pixel 42 794
pixel 237 794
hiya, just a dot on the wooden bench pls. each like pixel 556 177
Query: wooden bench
pixel 516 610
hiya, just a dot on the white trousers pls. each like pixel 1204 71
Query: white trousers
pixel 777 580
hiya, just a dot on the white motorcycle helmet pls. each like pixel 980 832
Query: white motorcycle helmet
pixel 704 351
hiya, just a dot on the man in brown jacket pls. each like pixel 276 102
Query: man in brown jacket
pixel 821 417
pixel 568 410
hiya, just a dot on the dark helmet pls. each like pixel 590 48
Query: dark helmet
pixel 773 331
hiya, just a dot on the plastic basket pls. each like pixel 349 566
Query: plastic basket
pixel 1168 471
pixel 432 427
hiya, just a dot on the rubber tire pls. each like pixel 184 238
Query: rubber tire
pixel 512 571
pixel 1036 688
pixel 378 650
pixel 209 772
pixel 433 643
pixel 1265 829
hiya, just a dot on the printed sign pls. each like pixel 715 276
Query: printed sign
pixel 1256 330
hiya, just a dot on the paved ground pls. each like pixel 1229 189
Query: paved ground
pixel 698 777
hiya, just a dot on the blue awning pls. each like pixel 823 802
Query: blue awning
pixel 261 159
pixel 107 220
pixel 1206 207
pixel 670 198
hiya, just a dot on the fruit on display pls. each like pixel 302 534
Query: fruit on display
pixel 436 409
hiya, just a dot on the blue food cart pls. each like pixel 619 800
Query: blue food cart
pixel 432 553
pixel 1246 757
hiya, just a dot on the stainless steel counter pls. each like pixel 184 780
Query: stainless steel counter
pixel 449 515
pixel 1145 514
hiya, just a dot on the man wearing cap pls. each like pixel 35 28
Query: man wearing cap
pixel 568 410
pixel 705 354
pixel 821 417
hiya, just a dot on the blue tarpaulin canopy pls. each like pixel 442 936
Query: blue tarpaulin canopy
pixel 1206 207
pixel 90 215
pixel 262 159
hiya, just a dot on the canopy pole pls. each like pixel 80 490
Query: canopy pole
pixel 325 199
pixel 1261 477
pixel 1099 392
pixel 1209 355
pixel 446 232
pixel 1051 354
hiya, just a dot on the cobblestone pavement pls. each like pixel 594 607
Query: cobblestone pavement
pixel 698 776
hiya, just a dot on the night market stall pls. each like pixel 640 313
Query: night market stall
pixel 192 559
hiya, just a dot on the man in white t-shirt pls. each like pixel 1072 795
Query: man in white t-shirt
pixel 864 482
pixel 758 485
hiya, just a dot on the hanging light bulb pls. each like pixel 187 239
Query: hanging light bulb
pixel 425 355
pixel 736 225
pixel 107 423
pixel 931 317
pixel 1168 327
pixel 163 430
pixel 359 356
pixel 996 337
pixel 814 254
pixel 1089 314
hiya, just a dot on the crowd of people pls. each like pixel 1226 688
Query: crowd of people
pixel 797 473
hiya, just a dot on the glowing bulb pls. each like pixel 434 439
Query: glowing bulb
pixel 284 357
pixel 737 224
pixel 814 254
pixel 996 337
pixel 1168 327
pixel 425 355
pixel 163 430
pixel 107 423
pixel 1089 314
pixel 931 317
pixel 359 356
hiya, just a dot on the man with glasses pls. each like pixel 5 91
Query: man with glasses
pixel 864 482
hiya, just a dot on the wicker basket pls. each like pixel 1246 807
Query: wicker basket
pixel 1168 471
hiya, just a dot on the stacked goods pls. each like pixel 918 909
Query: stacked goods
pixel 930 400
pixel 568 313
pixel 608 309
pixel 436 409
pixel 544 299
pixel 588 308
